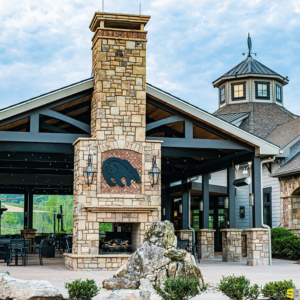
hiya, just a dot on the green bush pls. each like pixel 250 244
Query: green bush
pixel 179 289
pixel 288 246
pixel 277 233
pixel 238 288
pixel 82 290
pixel 277 290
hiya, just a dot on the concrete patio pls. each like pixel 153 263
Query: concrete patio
pixel 212 270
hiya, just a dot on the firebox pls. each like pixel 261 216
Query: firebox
pixel 118 238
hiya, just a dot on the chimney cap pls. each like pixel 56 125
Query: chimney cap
pixel 121 21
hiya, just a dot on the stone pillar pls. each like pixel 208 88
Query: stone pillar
pixel 186 235
pixel 119 68
pixel 28 234
pixel 232 245
pixel 207 243
pixel 257 247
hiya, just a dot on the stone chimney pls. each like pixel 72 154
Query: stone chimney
pixel 119 68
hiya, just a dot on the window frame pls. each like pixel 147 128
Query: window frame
pixel 279 86
pixel 268 90
pixel 268 191
pixel 223 88
pixel 244 90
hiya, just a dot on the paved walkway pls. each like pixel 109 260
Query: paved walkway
pixel 212 270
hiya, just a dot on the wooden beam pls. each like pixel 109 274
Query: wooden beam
pixel 74 122
pixel 202 143
pixel 38 137
pixel 162 122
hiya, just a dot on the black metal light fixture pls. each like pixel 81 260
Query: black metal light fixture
pixel 154 173
pixel 89 172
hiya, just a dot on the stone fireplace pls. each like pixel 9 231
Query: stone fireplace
pixel 121 192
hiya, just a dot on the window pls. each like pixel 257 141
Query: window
pixel 278 93
pixel 222 94
pixel 267 198
pixel 238 91
pixel 262 90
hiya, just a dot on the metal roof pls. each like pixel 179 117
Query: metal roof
pixel 251 66
pixel 232 117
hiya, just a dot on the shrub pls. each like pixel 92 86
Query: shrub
pixel 287 247
pixel 238 288
pixel 277 290
pixel 179 289
pixel 82 290
pixel 277 233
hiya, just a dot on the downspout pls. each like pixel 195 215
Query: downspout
pixel 189 221
pixel 262 209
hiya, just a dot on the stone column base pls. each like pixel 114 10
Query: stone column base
pixel 186 235
pixel 295 231
pixel 232 245
pixel 207 243
pixel 257 247
pixel 108 262
pixel 29 234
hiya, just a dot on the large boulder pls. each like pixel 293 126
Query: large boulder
pixel 147 258
pixel 161 234
pixel 17 289
pixel 154 261
pixel 132 295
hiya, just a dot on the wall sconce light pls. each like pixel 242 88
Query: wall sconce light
pixel 175 213
pixel 180 208
pixel 201 206
pixel 154 173
pixel 89 172
pixel 226 203
pixel 251 199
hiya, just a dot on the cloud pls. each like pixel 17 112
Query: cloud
pixel 46 44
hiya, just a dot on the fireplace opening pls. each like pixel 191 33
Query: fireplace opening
pixel 118 238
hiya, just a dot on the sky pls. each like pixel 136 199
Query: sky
pixel 45 45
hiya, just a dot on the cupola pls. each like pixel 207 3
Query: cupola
pixel 250 81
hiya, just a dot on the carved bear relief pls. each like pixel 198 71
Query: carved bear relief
pixel 121 172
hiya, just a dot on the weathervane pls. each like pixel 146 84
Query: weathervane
pixel 249 41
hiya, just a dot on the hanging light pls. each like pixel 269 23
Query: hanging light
pixel 201 206
pixel 164 211
pixel 180 208
pixel 251 199
pixel 154 173
pixel 89 172
pixel 226 203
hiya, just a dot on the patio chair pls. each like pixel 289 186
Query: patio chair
pixel 39 251
pixel 4 243
pixel 17 248
pixel 195 251
pixel 183 244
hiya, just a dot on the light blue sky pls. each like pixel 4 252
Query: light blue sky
pixel 45 44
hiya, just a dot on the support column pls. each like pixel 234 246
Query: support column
pixel 205 198
pixel 30 209
pixel 168 203
pixel 231 245
pixel 207 243
pixel 26 208
pixel 185 205
pixel 257 215
pixel 231 196
pixel 257 247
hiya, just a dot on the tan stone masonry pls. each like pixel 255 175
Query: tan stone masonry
pixel 207 243
pixel 231 245
pixel 118 128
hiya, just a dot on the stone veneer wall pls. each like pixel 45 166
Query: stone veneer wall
pixel 231 245
pixel 207 243
pixel 92 207
pixel 290 203
pixel 257 247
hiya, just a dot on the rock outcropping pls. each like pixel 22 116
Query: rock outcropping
pixel 17 289
pixel 155 260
